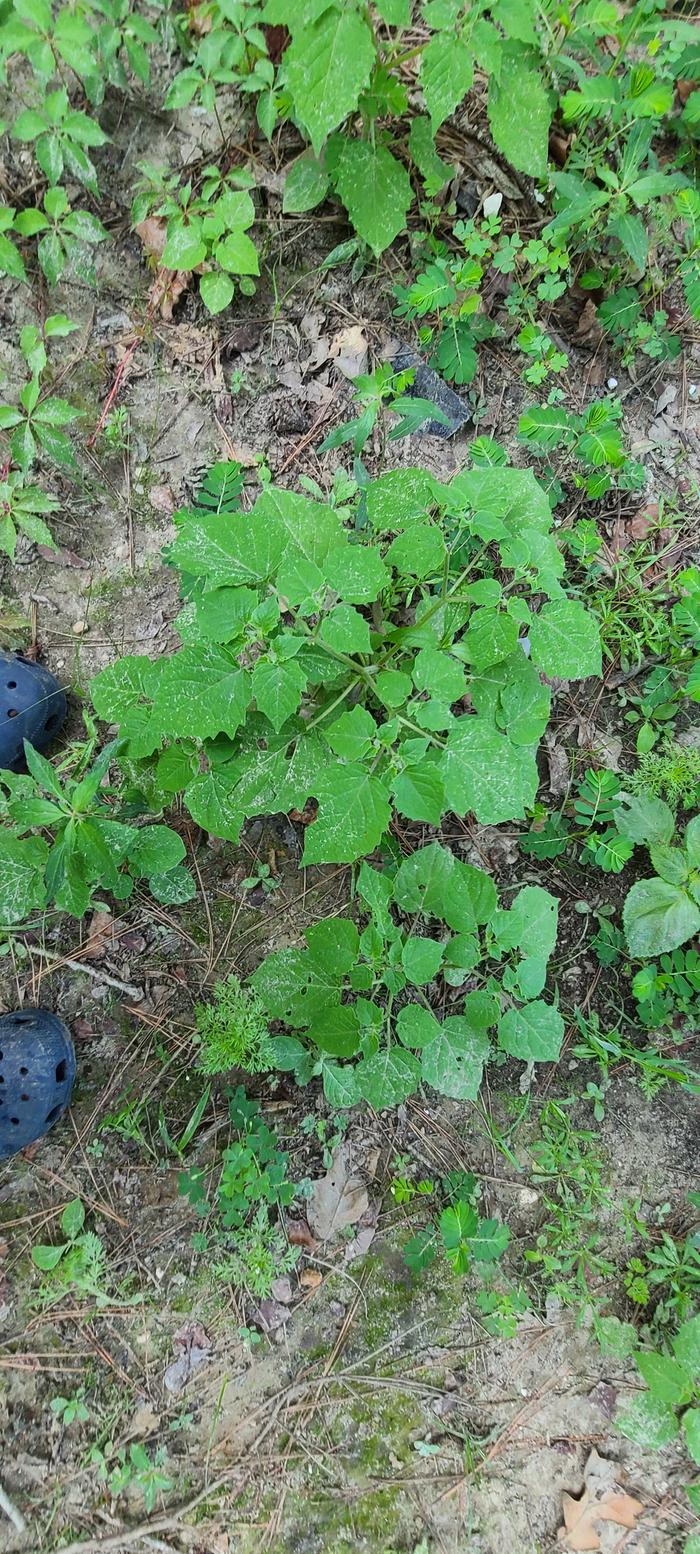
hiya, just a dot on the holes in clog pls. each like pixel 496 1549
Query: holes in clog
pixel 53 1115
pixel 60 1071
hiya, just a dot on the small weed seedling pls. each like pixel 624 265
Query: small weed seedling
pixel 233 1031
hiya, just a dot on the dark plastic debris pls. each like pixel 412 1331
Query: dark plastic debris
pixel 429 385
pixel 32 707
pixel 37 1069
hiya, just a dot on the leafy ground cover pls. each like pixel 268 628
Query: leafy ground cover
pixel 367 869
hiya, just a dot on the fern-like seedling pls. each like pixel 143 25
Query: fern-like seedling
pixel 233 1031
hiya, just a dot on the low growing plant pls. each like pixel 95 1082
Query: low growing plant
pixel 91 846
pixel 356 999
pixel 233 1031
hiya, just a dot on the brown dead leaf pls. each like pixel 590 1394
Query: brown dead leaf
pixel 62 558
pixel 644 520
pixel 559 768
pixel 199 20
pixel 153 233
pixel 100 936
pixel 349 350
pixel 589 328
pixel 162 500
pixel 310 1279
pixel 167 288
pixel 578 1532
pixel 270 1315
pixel 684 90
pixel 559 147
pixel 298 1234
pixel 337 1199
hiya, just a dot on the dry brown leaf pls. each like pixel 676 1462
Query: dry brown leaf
pixel 578 1532
pixel 684 90
pixel 100 936
pixel 298 1234
pixel 350 351
pixel 153 233
pixel 589 328
pixel 310 1279
pixel 337 1199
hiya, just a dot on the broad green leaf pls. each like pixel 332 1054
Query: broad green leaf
pixel 351 735
pixel 340 1084
pixel 438 673
pixel 22 887
pixel 237 253
pixel 211 803
pixel 375 190
pixel 327 64
pixel 657 917
pixel 421 144
pixel 665 1377
pixel 228 548
pixel 670 863
pixel 486 774
pixel 631 233
pixel 421 959
pixel 353 814
pixel 446 74
pixel 202 692
pixel 278 689
pixel 185 247
pixel 524 702
pixel 345 630
pixel 565 640
pixel 293 990
pixel 490 638
pixel 416 1026
pixel 692 842
pixel 686 1346
pixel 156 850
pixel 455 355
pixel 453 1062
pixel 531 923
pixel 388 1078
pixel 533 1033
pixel 73 1219
pixel 334 945
pixel 336 1031
pixel 418 552
pixel 399 498
pixel 643 819
pixel 305 185
pixel 647 1421
pixel 174 888
pixel 520 113
pixel 356 572
pixel 216 290
pixel 419 793
pixel 47 1257
pixel 489 1241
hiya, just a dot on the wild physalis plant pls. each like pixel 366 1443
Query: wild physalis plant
pixel 368 668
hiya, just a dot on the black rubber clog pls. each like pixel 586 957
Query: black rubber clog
pixel 37 1069
pixel 32 707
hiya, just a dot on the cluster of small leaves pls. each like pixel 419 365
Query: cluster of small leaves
pixel 593 438
pixel 90 847
pixel 78 1263
pixel 326 662
pixel 671 1405
pixel 36 431
pixel 205 230
pixel 671 773
pixel 668 989
pixel 359 1001
pixel 232 1031
pixel 459 1233
pixel 132 1469
pixel 251 1250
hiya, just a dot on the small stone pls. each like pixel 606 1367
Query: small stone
pixel 693 391
pixel 612 383
pixel 80 628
